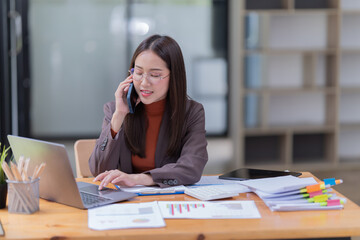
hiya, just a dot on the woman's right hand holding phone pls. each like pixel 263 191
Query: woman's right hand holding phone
pixel 121 106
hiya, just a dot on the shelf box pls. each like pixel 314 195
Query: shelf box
pixel 302 70
pixel 350 70
pixel 350 31
pixel 308 108
pixel 276 77
pixel 264 149
pixel 308 147
pixel 251 110
pixel 350 4
pixel 253 70
pixel 349 108
pixel 253 28
pixel 300 31
pixel 313 4
pixel 264 4
pixel 349 142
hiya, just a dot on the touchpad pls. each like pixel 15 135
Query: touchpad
pixel 94 190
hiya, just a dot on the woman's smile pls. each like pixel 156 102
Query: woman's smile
pixel 146 93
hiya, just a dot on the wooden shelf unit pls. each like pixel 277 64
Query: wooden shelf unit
pixel 290 62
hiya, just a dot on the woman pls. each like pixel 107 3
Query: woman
pixel 163 143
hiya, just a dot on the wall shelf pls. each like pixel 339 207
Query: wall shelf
pixel 299 85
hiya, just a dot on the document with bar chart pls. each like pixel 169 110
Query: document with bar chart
pixel 127 215
pixel 204 209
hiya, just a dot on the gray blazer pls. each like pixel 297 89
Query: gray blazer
pixel 185 169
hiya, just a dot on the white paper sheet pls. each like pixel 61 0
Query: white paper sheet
pixel 213 180
pixel 131 215
pixel 227 185
pixel 278 184
pixel 301 207
pixel 212 210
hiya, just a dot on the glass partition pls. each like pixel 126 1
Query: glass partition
pixel 81 49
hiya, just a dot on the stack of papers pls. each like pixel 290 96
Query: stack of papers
pixel 289 193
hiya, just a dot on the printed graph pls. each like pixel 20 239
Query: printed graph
pixel 177 208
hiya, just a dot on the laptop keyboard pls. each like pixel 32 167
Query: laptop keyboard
pixel 92 200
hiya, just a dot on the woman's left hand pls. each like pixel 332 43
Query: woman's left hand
pixel 123 179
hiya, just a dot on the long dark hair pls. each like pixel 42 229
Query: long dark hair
pixel 135 124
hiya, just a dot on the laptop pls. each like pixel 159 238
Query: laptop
pixel 57 182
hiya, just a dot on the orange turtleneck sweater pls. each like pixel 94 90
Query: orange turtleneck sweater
pixel 154 113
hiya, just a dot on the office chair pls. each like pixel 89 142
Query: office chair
pixel 83 149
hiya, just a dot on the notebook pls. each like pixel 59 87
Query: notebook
pixel 57 182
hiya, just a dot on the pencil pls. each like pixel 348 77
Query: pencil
pixel 7 171
pixel 20 164
pixel 34 172
pixel 40 170
pixel 15 172
pixel 26 167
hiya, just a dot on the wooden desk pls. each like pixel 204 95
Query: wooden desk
pixel 56 221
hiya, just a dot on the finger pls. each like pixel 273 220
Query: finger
pixel 124 180
pixel 100 187
pixel 100 176
pixel 121 87
pixel 112 174
pixel 104 182
pixel 126 82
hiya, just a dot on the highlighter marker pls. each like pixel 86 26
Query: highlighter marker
pixel 319 198
pixel 313 194
pixel 332 202
pixel 321 185
pixel 332 181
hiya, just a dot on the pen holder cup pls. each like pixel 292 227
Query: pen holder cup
pixel 23 196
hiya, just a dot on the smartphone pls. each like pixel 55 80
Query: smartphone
pixel 131 98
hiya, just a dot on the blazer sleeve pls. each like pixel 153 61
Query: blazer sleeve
pixel 188 168
pixel 106 153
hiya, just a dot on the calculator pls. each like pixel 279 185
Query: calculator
pixel 209 193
